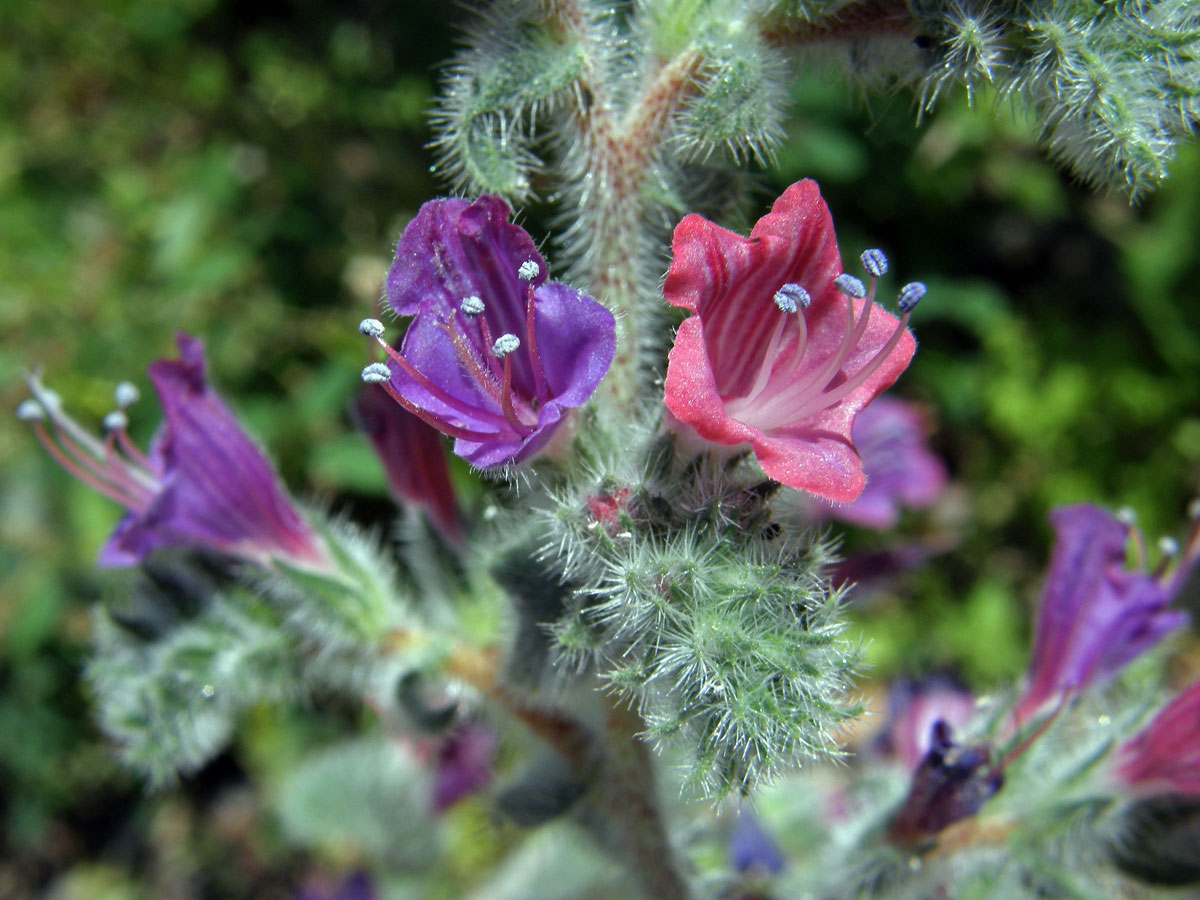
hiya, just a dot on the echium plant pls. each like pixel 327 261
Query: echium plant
pixel 640 584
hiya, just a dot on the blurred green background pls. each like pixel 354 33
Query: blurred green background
pixel 241 171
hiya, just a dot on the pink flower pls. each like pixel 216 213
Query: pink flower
pixel 1165 757
pixel 783 349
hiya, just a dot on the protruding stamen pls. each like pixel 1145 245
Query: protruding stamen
pixel 528 270
pixel 505 344
pixel 1127 516
pixel 1168 546
pixel 850 286
pixel 372 328
pixel 126 394
pixel 792 297
pixel 377 373
pixel 875 262
pixel 30 411
pixel 910 296
pixel 539 372
pixel 116 421
pixel 471 306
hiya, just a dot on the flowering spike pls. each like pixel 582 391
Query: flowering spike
pixel 850 286
pixel 116 421
pixel 30 411
pixel 376 373
pixel 506 344
pixel 875 262
pixel 470 375
pixel 126 394
pixel 371 328
pixel 789 386
pixel 791 298
pixel 910 296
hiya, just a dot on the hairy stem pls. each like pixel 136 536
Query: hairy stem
pixel 626 798
pixel 609 181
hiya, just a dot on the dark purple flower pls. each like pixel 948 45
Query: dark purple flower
pixel 495 355
pixel 464 765
pixel 204 483
pixel 1096 615
pixel 751 849
pixel 915 709
pixel 354 887
pixel 900 470
pixel 412 456
pixel 1165 757
pixel 951 783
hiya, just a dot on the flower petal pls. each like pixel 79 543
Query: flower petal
pixel 576 339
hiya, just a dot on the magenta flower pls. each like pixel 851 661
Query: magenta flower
pixel 412 456
pixel 900 469
pixel 1096 615
pixel 464 765
pixel 496 355
pixel 783 350
pixel 1165 757
pixel 204 483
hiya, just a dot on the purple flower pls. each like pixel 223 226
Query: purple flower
pixel 900 470
pixel 495 355
pixel 1096 616
pixel 204 483
pixel 464 765
pixel 412 456
pixel 751 849
pixel 1165 757
pixel 353 887
pixel 951 783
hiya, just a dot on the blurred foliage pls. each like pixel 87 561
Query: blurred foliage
pixel 240 171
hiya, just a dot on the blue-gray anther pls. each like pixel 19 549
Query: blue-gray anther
pixel 1127 516
pixel 372 328
pixel 875 262
pixel 1168 546
pixel 126 394
pixel 528 270
pixel 30 411
pixel 471 306
pixel 49 399
pixel 850 286
pixel 116 421
pixel 376 373
pixel 505 344
pixel 910 296
pixel 792 297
